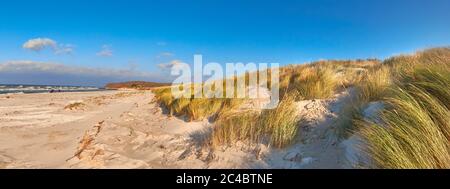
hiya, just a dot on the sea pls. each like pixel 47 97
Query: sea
pixel 12 89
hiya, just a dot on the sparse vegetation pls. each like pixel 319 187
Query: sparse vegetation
pixel 135 85
pixel 75 106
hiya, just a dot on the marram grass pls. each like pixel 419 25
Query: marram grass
pixel 414 131
pixel 277 126
pixel 416 123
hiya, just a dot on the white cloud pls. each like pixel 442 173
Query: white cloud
pixel 106 51
pixel 169 65
pixel 39 43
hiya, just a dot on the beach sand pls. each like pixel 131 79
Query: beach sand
pixel 128 129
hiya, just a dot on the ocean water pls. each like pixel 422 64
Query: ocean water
pixel 10 89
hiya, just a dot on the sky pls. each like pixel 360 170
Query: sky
pixel 92 42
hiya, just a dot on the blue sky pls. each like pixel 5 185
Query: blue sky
pixel 140 35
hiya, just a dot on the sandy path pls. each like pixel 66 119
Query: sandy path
pixel 117 129
pixel 30 137
pixel 40 133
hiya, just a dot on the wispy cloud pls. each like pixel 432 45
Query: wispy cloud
pixel 106 51
pixel 30 72
pixel 169 65
pixel 65 49
pixel 39 44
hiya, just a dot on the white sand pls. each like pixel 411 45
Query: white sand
pixel 127 129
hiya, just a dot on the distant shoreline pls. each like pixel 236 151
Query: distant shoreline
pixel 62 91
pixel 32 89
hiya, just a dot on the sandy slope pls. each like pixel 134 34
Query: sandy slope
pixel 116 129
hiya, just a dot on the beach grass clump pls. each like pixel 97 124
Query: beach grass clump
pixel 281 123
pixel 164 96
pixel 236 126
pixel 348 116
pixel 322 79
pixel 438 56
pixel 410 138
pixel 195 109
pixel 416 122
pixel 349 77
pixel 201 108
pixel 373 85
pixel 315 82
pixel 179 106
pixel 278 126
pixel 75 106
pixel 434 79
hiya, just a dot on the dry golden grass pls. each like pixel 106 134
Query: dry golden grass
pixel 310 81
pixel 415 89
pixel 410 137
pixel 321 80
pixel 315 83
pixel 195 109
pixel 416 123
pixel 199 109
pixel 282 122
pixel 75 106
pixel 372 87
pixel 278 126
pixel 124 94
pixel 348 116
pixel 236 126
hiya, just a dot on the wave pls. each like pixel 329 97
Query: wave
pixel 4 89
